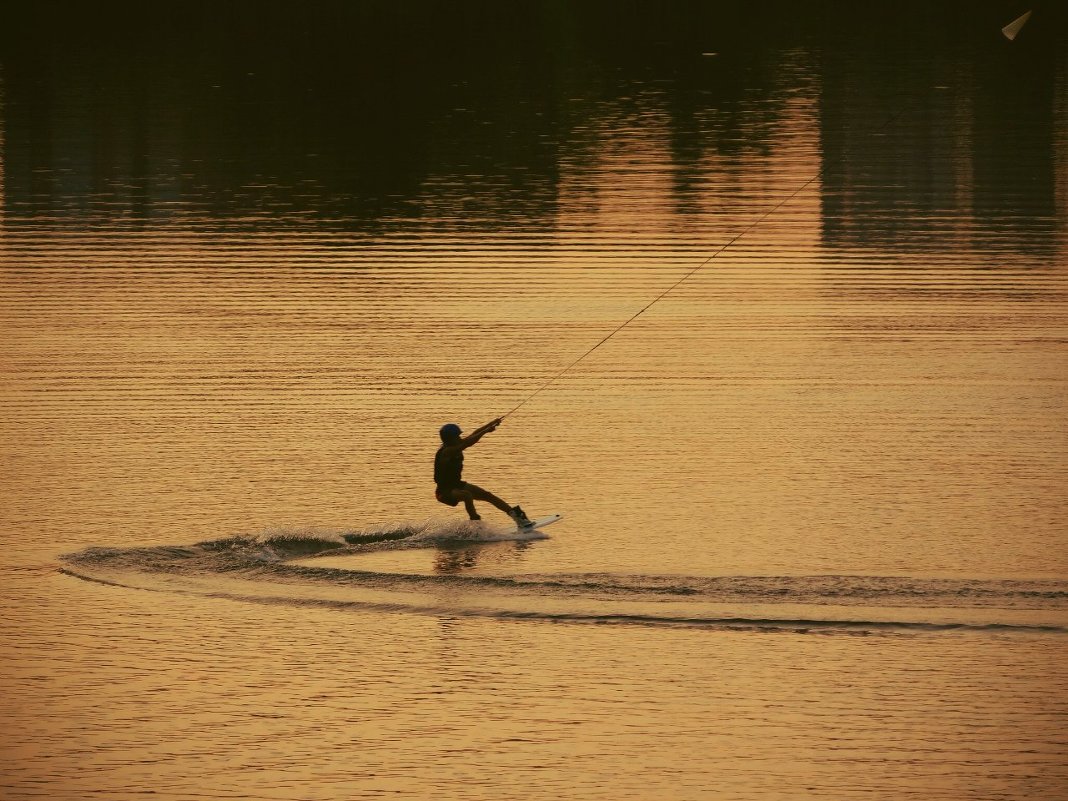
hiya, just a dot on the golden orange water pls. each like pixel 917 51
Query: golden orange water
pixel 814 542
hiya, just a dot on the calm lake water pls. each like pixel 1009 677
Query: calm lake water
pixel 815 541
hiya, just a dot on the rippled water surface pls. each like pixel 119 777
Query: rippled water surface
pixel 814 538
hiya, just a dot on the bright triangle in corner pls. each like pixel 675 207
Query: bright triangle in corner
pixel 1013 27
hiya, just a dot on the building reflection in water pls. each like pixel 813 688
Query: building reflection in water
pixel 952 141
pixel 934 132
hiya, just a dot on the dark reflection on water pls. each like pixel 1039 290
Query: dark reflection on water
pixel 1016 158
pixel 946 142
pixel 354 114
pixel 461 558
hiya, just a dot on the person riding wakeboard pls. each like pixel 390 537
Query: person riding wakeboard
pixel 448 466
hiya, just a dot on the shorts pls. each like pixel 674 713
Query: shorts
pixel 448 500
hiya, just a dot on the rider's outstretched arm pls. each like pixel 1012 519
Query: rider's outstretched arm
pixel 480 432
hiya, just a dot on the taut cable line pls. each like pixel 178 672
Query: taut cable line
pixel 667 291
pixel 1010 32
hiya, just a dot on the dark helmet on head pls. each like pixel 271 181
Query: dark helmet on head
pixel 449 431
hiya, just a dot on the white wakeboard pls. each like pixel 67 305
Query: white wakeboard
pixel 541 522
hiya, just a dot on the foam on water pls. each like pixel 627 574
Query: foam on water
pixel 278 566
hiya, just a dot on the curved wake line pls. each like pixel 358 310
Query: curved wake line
pixel 807 589
pixel 729 623
pixel 273 567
